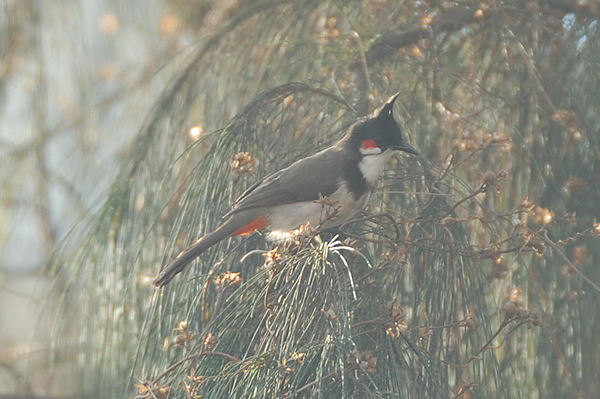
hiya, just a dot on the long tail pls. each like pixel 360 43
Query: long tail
pixel 228 229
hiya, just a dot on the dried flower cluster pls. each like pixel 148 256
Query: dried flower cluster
pixel 514 310
pixel 329 314
pixel 184 337
pixel 328 30
pixel 148 390
pixel 302 236
pixel 469 322
pixel 396 324
pixel 364 361
pixel 192 385
pixel 227 280
pixel 289 365
pixel 491 179
pixel 272 257
pixel 243 163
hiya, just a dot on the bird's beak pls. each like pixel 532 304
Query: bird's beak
pixel 404 146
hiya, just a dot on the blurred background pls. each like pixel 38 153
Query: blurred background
pixel 118 124
pixel 77 81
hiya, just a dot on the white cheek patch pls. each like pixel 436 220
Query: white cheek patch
pixel 372 165
pixel 370 150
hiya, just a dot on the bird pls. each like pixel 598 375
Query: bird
pixel 346 174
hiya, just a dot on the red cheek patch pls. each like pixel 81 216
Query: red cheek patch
pixel 251 227
pixel 368 144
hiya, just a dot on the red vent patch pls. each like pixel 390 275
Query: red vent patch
pixel 251 227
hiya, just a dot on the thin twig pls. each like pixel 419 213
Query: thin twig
pixel 192 357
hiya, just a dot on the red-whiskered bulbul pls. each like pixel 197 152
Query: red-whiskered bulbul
pixel 346 173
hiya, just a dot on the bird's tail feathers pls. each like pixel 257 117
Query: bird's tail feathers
pixel 236 225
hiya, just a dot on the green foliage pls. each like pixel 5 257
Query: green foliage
pixel 440 287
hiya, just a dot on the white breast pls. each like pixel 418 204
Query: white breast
pixel 371 166
pixel 285 218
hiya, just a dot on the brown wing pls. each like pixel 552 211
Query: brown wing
pixel 301 181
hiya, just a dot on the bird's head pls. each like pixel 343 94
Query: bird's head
pixel 378 133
